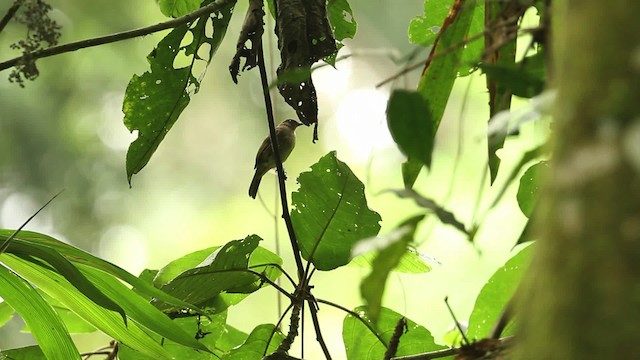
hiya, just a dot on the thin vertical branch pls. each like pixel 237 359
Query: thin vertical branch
pixel 276 153
pixel 313 309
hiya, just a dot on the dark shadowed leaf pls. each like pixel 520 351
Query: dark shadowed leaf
pixel 411 126
pixel 362 344
pixel 526 78
pixel 154 101
pixel 330 213
pixel 373 286
pixel 496 293
pixel 46 326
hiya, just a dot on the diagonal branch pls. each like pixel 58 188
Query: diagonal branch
pixel 125 35
pixel 10 14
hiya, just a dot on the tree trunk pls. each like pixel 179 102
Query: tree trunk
pixel 581 298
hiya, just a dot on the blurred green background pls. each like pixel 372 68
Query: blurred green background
pixel 65 131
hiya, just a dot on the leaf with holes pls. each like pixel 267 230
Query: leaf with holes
pixel 154 100
pixel 330 213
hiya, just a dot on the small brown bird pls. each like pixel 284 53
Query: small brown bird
pixel 265 161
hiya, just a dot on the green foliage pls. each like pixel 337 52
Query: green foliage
pixel 370 341
pixel 341 19
pixel 525 78
pixel 330 213
pixel 496 293
pixel 154 101
pixel 44 323
pixel 225 270
pixel 373 286
pixel 6 313
pixel 410 263
pixel 410 130
pixel 423 29
pixel 25 353
pixel 530 187
pixel 264 339
pixel 177 8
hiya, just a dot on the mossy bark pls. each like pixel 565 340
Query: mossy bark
pixel 581 298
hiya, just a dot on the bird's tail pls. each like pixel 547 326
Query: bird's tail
pixel 255 183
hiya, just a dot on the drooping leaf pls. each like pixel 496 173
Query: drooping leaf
pixel 423 29
pixel 107 321
pixel 46 326
pixel 530 186
pixel 445 216
pixel 330 213
pixel 177 8
pixel 496 293
pixel 444 60
pixel 264 339
pixel 363 344
pixel 225 270
pixel 78 256
pixel 26 353
pixel 411 126
pixel 154 101
pixel 373 286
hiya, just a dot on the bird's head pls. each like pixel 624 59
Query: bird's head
pixel 290 123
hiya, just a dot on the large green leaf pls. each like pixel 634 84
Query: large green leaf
pixel 444 61
pixel 362 344
pixel 413 133
pixel 140 310
pixel 230 339
pixel 78 256
pixel 45 324
pixel 67 269
pixel 330 213
pixel 154 101
pixel 72 322
pixel 107 321
pixel 177 8
pixel 224 270
pixel 526 78
pixel 373 286
pixel 263 340
pixel 496 293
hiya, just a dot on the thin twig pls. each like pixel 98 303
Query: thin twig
pixel 276 328
pixel 279 267
pixel 125 35
pixel 430 355
pixel 313 309
pixel 264 278
pixel 10 13
pixel 276 153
